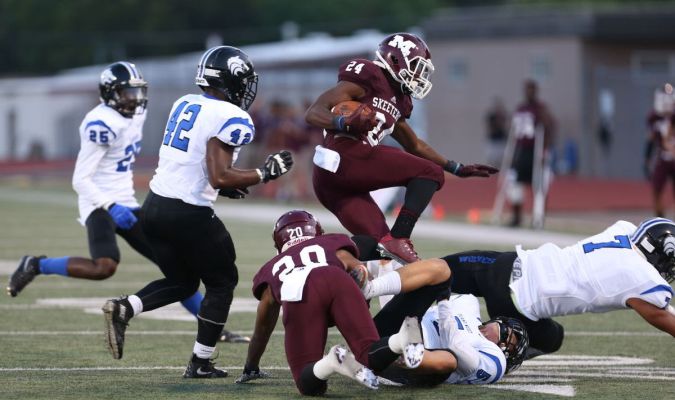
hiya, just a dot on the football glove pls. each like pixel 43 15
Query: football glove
pixel 123 216
pixel 276 165
pixel 360 121
pixel 233 193
pixel 252 374
pixel 465 171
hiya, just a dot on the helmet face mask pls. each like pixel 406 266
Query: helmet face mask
pixel 229 71
pixel 123 88
pixel 513 341
pixel 656 241
pixel 408 60
pixel 295 227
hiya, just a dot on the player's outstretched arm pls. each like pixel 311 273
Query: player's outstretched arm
pixel 658 317
pixel 266 319
pixel 405 135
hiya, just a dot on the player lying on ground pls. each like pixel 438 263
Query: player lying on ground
pixel 622 267
pixel 309 280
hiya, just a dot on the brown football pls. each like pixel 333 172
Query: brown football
pixel 345 108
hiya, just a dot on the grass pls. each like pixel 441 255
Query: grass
pixel 58 352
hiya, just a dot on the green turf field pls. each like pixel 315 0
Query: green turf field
pixel 51 335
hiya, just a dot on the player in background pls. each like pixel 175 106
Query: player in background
pixel 309 280
pixel 110 140
pixel 622 267
pixel 661 140
pixel 203 137
pixel 461 349
pixel 351 163
pixel 531 119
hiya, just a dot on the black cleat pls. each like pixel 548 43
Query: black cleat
pixel 29 267
pixel 117 313
pixel 199 368
pixel 231 337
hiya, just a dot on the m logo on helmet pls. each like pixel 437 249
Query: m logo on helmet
pixel 237 66
pixel 402 44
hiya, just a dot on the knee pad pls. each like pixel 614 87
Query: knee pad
pixel 216 304
pixel 546 335
pixel 308 384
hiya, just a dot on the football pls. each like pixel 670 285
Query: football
pixel 345 108
pixel 360 275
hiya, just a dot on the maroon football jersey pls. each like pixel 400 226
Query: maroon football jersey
pixel 659 127
pixel 389 102
pixel 527 119
pixel 313 253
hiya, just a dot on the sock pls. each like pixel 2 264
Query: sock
pixel 389 283
pixel 54 266
pixel 323 368
pixel 203 352
pixel 136 304
pixel 418 194
pixel 193 303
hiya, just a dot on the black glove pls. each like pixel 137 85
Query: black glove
pixel 465 171
pixel 252 374
pixel 276 165
pixel 233 193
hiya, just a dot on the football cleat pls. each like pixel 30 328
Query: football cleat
pixel 399 249
pixel 28 268
pixel 411 339
pixel 117 313
pixel 344 363
pixel 199 368
pixel 231 337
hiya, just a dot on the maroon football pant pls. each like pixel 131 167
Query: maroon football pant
pixel 331 297
pixel 363 168
pixel 663 170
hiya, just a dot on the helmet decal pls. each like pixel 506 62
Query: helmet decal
pixel 404 45
pixel 237 66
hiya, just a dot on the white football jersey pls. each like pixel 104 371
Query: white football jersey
pixel 465 312
pixel 597 274
pixel 194 119
pixel 109 144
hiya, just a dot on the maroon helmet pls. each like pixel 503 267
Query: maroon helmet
pixel 408 59
pixel 294 227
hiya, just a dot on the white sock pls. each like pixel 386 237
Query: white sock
pixel 323 368
pixel 136 304
pixel 389 283
pixel 394 343
pixel 202 351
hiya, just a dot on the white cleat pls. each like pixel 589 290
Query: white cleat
pixel 345 364
pixel 411 338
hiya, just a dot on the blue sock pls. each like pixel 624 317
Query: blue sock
pixel 50 266
pixel 193 303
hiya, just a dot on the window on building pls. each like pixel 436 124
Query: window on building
pixel 540 67
pixel 458 70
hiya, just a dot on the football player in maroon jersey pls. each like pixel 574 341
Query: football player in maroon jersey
pixel 662 139
pixel 309 280
pixel 351 164
pixel 531 118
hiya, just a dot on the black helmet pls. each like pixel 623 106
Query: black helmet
pixel 654 238
pixel 513 351
pixel 228 70
pixel 123 88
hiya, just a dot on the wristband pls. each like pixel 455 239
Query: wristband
pixel 452 167
pixel 339 122
pixel 260 174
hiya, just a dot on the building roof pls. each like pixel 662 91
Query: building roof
pixel 635 23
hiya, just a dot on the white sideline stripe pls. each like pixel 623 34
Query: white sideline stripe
pixel 606 374
pixel 558 390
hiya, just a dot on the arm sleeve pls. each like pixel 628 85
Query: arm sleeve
pixel 88 159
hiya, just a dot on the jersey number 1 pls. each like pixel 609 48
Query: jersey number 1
pixel 181 123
